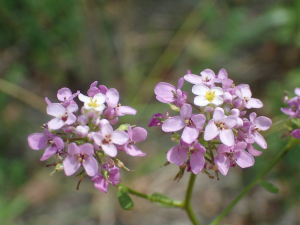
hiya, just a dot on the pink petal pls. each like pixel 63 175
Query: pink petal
pixel 110 149
pixel 37 141
pixel 245 90
pixel 296 133
pixel 244 159
pixel 173 124
pixel 119 137
pixel 72 108
pixel 64 94
pixel 100 183
pixel 87 148
pixel 139 134
pixel 56 124
pixel 189 134
pixel 98 138
pixel 73 149
pixel 56 110
pixel 219 114
pixel 254 103
pixel 71 119
pixel 263 123
pixel 90 165
pixel 186 111
pixel 71 165
pixel 252 117
pixel 227 137
pixel 180 83
pixel 223 163
pixel 211 131
pixel 106 129
pixel 126 110
pixel 297 91
pixel 222 74
pixel 134 151
pixel 192 78
pixel 93 91
pixel 48 153
pixel 199 147
pixel 177 155
pixel 198 120
pixel 197 162
pixel 223 149
pixel 253 151
pixel 230 121
pixel 59 143
pixel 259 139
pixel 164 90
pixel 112 97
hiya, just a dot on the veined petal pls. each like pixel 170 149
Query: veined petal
pixel 56 124
pixel 119 137
pixel 173 124
pixel 112 97
pixel 71 165
pixel 244 159
pixel 177 155
pixel 56 110
pixel 211 131
pixel 227 137
pixel 223 163
pixel 37 141
pixel 90 165
pixel 110 149
pixel 200 89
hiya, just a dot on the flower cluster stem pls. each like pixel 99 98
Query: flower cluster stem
pixel 263 172
pixel 187 201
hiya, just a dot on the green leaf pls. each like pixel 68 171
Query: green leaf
pixel 161 200
pixel 124 199
pixel 269 187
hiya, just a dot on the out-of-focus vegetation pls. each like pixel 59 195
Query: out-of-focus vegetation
pixel 132 45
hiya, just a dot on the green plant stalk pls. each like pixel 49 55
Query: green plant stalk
pixel 187 201
pixel 291 144
pixel 170 202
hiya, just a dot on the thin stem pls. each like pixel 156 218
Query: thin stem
pixel 291 144
pixel 152 198
pixel 187 201
pixel 211 154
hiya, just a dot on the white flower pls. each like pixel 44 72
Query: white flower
pixel 96 103
pixel 207 95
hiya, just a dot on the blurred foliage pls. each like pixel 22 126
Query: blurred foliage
pixel 131 45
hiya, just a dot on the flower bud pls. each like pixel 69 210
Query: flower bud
pixel 68 129
pixel 82 131
pixel 82 120
pixel 227 97
pixel 208 109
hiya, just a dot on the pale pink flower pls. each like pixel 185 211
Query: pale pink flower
pixel 244 94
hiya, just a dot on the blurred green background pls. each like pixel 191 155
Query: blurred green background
pixel 132 45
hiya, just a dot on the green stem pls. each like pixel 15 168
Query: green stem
pixel 187 201
pixel 152 198
pixel 291 144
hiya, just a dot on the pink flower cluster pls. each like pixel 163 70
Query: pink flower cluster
pixel 293 110
pixel 216 135
pixel 87 140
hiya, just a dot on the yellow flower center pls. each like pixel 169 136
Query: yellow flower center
pixel 93 103
pixel 210 95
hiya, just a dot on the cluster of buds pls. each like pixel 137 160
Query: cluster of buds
pixel 293 111
pixel 88 141
pixel 216 136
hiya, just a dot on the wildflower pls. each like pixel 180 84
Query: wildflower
pixel 207 95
